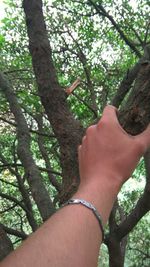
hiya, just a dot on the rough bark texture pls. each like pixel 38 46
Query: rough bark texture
pixel 134 117
pixel 34 178
pixel 129 78
pixel 125 85
pixel 5 244
pixel 68 131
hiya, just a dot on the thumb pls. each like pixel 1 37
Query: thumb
pixel 144 138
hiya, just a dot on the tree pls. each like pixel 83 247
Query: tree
pixel 42 110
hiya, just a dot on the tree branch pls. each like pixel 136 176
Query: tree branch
pixel 5 243
pixel 43 151
pixel 15 232
pixel 134 116
pixel 13 199
pixel 8 209
pixel 24 193
pixel 147 32
pixel 100 9
pixel 141 208
pixel 71 88
pixel 68 131
pixel 129 78
pixel 31 130
pixel 11 184
pixel 38 190
pixel 83 60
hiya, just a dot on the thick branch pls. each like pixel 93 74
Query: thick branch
pixel 134 118
pixel 125 85
pixel 68 131
pixel 129 78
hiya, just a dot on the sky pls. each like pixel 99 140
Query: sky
pixel 2 6
pixel 2 13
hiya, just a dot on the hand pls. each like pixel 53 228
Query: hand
pixel 108 151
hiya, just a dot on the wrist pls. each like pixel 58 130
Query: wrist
pixel 103 182
pixel 101 193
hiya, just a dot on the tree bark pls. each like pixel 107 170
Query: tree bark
pixel 134 116
pixel 68 131
pixel 115 253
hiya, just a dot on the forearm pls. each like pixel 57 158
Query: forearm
pixel 72 236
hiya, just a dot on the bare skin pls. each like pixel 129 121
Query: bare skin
pixel 72 236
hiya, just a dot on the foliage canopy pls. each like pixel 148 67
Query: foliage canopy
pixel 94 43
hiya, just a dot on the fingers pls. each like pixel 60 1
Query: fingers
pixel 109 108
pixel 110 114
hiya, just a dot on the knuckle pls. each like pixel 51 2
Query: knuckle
pixel 90 130
pixel 103 122
pixel 83 139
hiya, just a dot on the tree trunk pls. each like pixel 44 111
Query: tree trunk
pixel 116 258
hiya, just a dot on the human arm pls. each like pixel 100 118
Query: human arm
pixel 72 236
